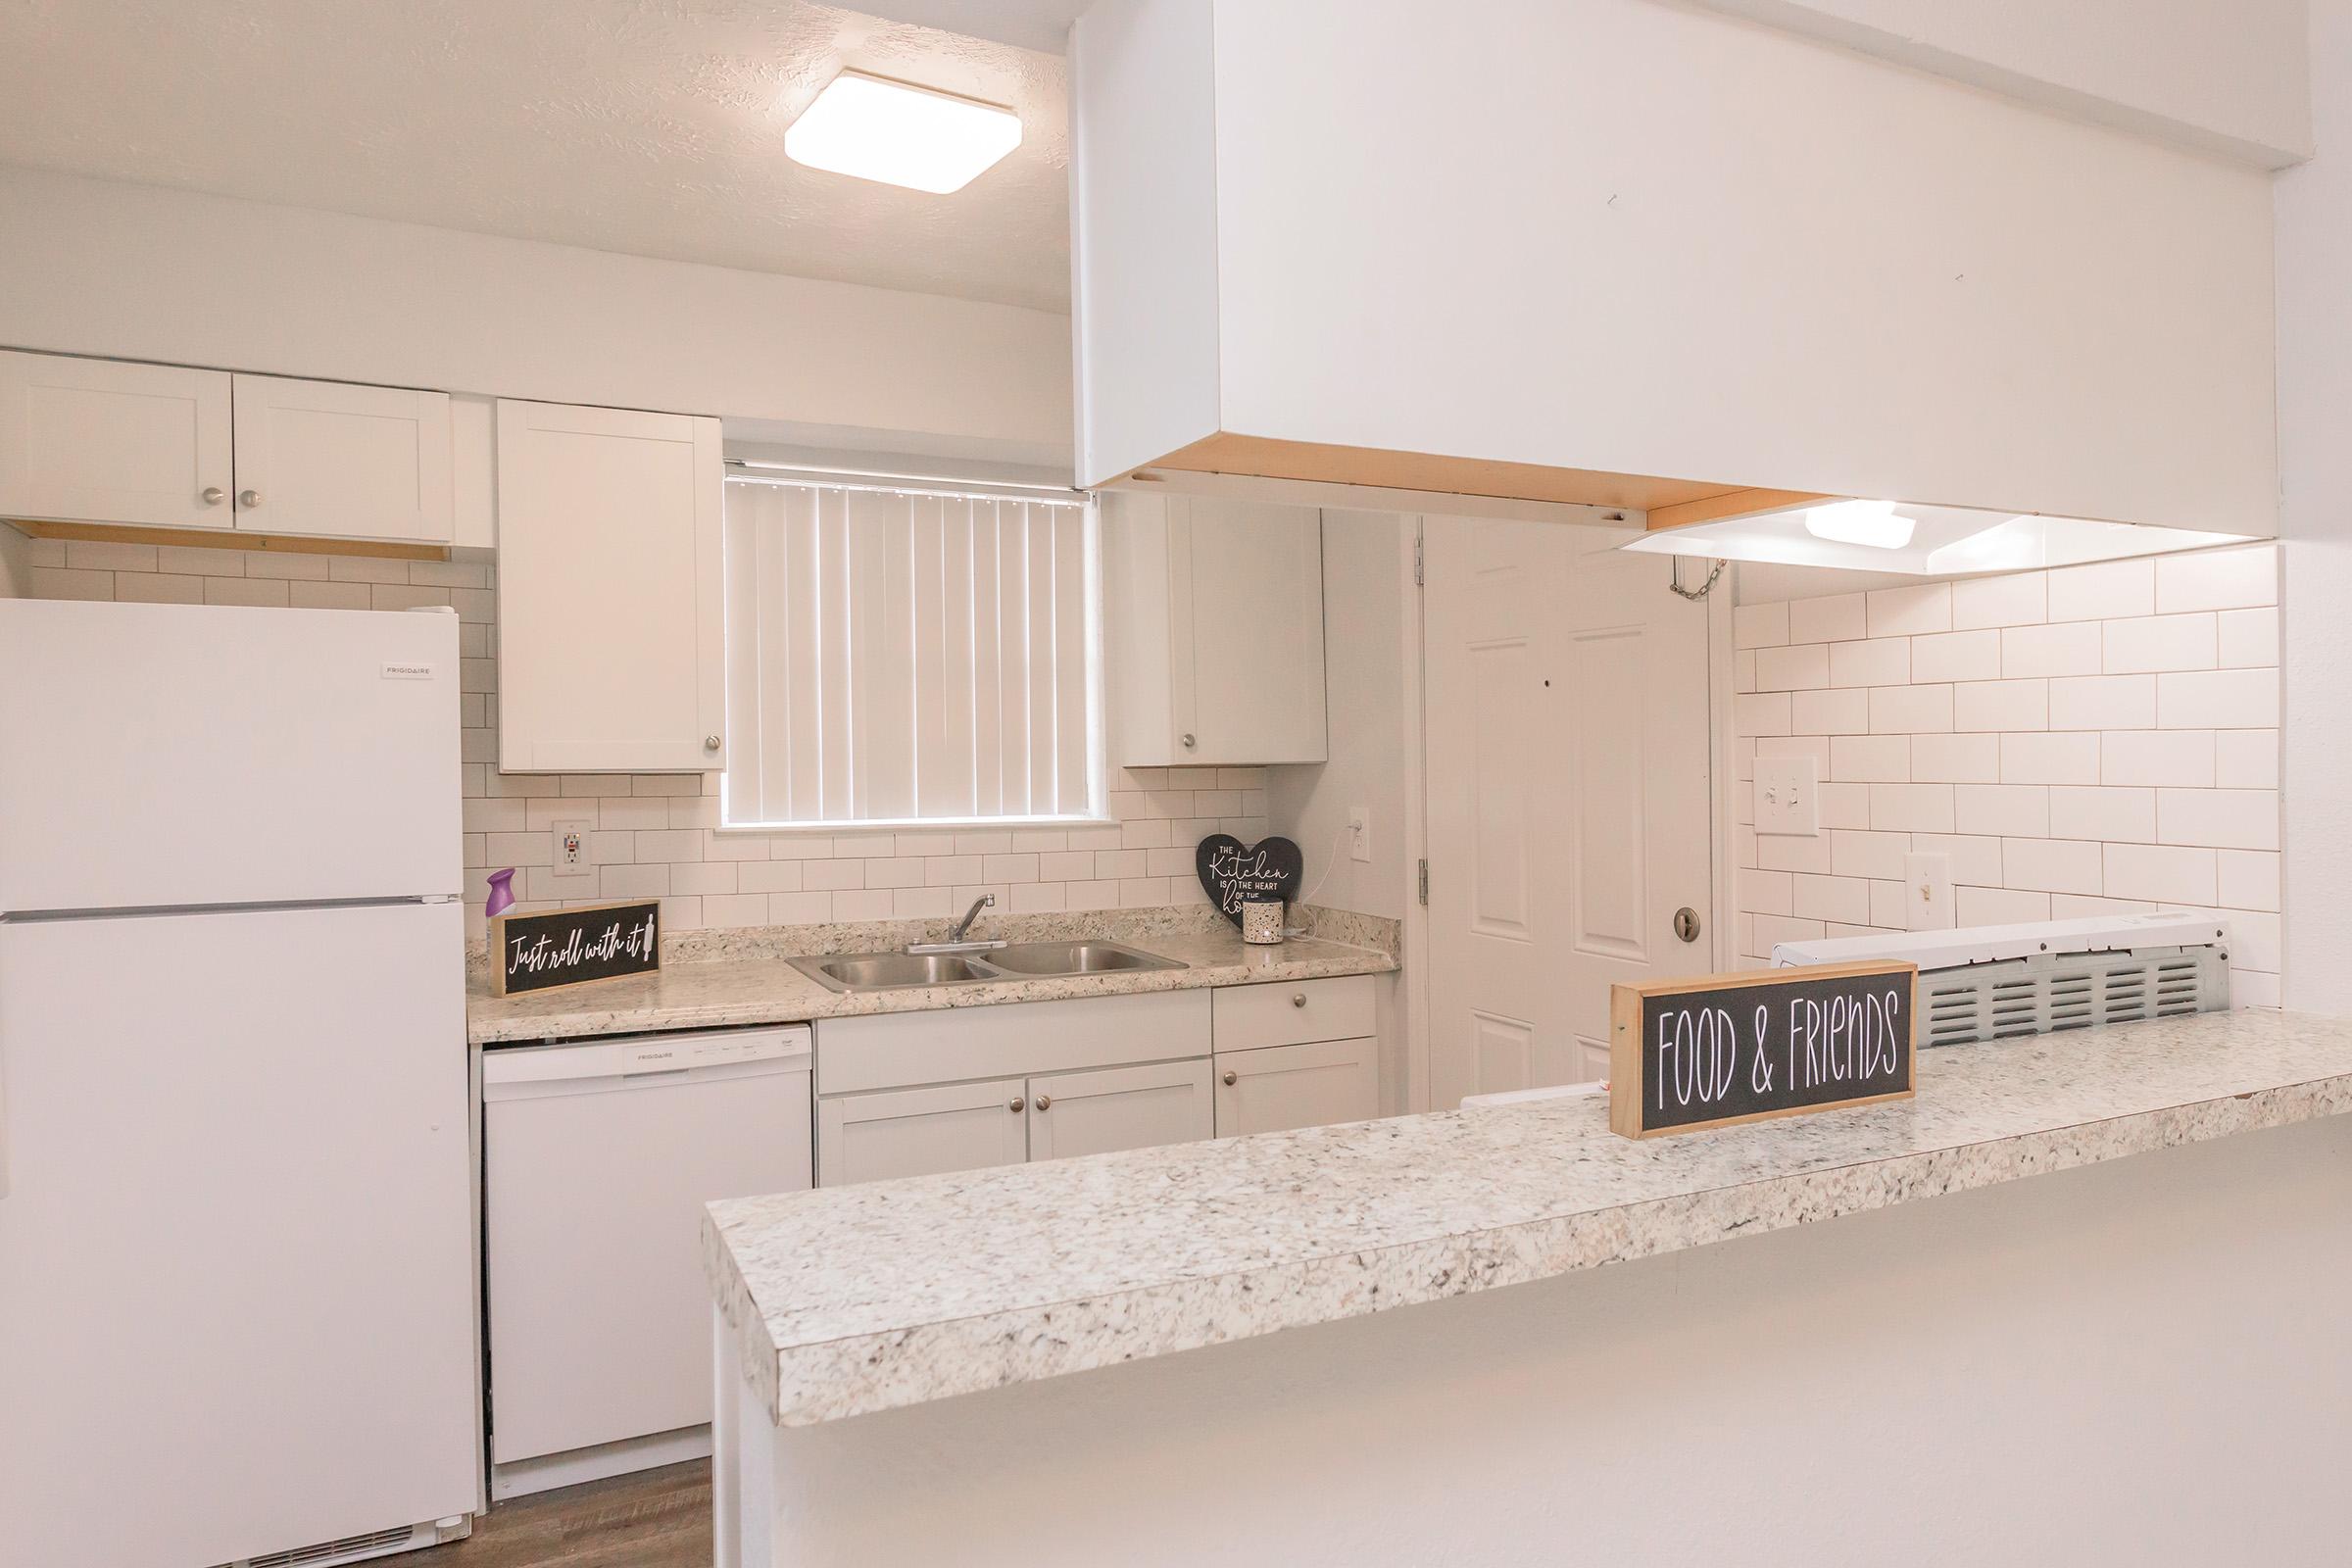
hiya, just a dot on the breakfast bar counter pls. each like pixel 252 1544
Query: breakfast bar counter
pixel 840 1303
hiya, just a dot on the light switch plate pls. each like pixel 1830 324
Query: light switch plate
pixel 1788 795
pixel 569 848
pixel 1928 901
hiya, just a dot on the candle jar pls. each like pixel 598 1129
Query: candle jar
pixel 1261 918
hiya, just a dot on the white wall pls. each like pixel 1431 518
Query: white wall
pixel 1487 236
pixel 136 272
pixel 2315 391
pixel 2092 739
pixel 2227 75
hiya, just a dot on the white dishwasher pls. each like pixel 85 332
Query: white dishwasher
pixel 596 1159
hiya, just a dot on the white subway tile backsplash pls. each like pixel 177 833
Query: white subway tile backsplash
pixel 2051 866
pixel 2071 649
pixel 2218 579
pixel 1955 759
pixel 1841 710
pixel 1774 852
pixel 2245 758
pixel 2001 705
pixel 1831 897
pixel 1976 858
pixel 1837 618
pixel 2020 598
pixel 2103 812
pixel 1761 714
pixel 2228 820
pixel 2217 699
pixel 2020 810
pixel 2248 879
pixel 2164 873
pixel 2105 591
pixel 1954 656
pixel 159 588
pixel 2247 638
pixel 1767 892
pixel 1910 612
pixel 2050 759
pixel 1978 906
pixel 245 591
pixel 2160 643
pixel 1864 854
pixel 1870 758
pixel 2103 702
pixel 1911 808
pixel 1910 710
pixel 2180 759
pixel 1798 666
pixel 1880 661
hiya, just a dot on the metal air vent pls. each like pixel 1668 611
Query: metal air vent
pixel 2049 992
pixel 324 1553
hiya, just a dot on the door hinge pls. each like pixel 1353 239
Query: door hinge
pixel 1425 882
pixel 1420 568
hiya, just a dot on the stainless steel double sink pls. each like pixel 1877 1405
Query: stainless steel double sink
pixel 1018 960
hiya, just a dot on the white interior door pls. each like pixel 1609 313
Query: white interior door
pixel 330 459
pixel 105 441
pixel 1569 807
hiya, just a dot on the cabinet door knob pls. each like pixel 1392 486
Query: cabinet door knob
pixel 1018 1105
pixel 1231 1078
pixel 1045 1101
pixel 1298 998
pixel 249 498
pixel 212 495
pixel 710 743
pixel 1188 741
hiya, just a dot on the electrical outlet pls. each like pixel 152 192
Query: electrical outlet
pixel 1928 902
pixel 1788 795
pixel 570 859
pixel 1359 832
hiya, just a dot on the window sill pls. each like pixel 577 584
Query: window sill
pixel 915 824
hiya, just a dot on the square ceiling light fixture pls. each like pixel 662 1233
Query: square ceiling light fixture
pixel 1922 541
pixel 874 129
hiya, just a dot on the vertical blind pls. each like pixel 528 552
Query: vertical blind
pixel 896 655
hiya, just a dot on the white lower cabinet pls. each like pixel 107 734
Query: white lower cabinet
pixel 922 1132
pixel 1119 1108
pixel 1275 1087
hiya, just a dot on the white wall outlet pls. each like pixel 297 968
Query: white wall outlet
pixel 571 848
pixel 1788 795
pixel 1928 902
pixel 1359 832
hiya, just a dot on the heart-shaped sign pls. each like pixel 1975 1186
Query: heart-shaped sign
pixel 1231 870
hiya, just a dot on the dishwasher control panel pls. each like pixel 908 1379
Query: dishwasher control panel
pixel 632 1056
pixel 709 1051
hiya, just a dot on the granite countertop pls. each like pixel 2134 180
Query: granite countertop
pixel 844 1300
pixel 754 984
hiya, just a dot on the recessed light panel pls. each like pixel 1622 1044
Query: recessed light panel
pixel 871 128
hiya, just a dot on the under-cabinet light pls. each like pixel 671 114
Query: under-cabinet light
pixel 1922 540
pixel 1874 523
pixel 872 128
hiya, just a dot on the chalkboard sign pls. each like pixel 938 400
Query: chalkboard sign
pixel 1737 1047
pixel 572 946
pixel 1231 871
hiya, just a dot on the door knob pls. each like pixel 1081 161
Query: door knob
pixel 1231 1078
pixel 1686 923
pixel 1018 1105
pixel 212 495
pixel 249 498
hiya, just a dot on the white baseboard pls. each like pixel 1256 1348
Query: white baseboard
pixel 570 1469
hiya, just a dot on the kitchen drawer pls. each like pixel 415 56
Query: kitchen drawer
pixel 1277 1087
pixel 1250 1016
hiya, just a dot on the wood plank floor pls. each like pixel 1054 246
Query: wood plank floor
pixel 656 1519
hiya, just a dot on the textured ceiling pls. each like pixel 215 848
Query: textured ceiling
pixel 648 126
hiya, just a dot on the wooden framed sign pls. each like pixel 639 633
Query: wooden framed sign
pixel 1726 1049
pixel 574 947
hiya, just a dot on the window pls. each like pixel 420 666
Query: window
pixel 909 655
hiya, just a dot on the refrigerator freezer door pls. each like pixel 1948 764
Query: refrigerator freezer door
pixel 236 1264
pixel 160 756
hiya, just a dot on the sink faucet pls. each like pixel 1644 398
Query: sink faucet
pixel 959 937
pixel 986 900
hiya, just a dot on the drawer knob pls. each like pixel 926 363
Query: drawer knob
pixel 1045 1101
pixel 1231 1078
pixel 1298 998
pixel 1018 1105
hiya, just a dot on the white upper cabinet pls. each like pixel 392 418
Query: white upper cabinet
pixel 1214 625
pixel 609 609
pixel 330 460
pixel 105 441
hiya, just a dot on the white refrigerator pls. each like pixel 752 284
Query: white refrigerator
pixel 238 1303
